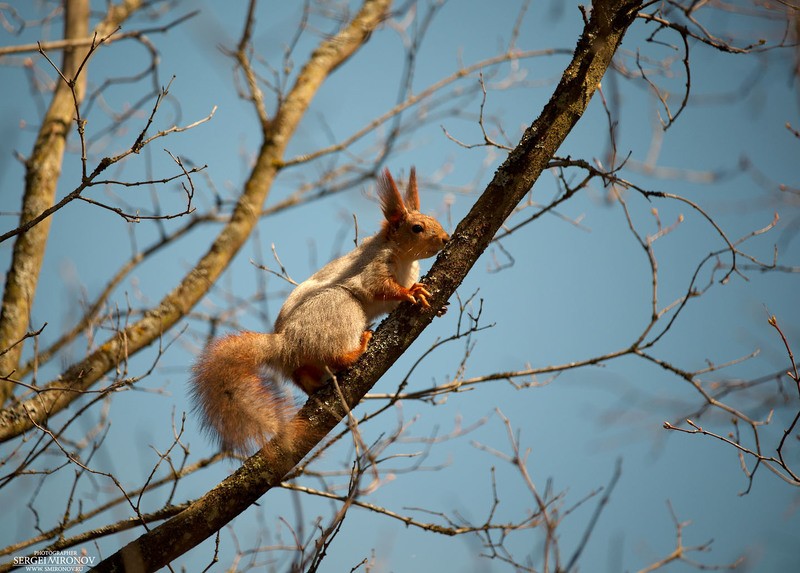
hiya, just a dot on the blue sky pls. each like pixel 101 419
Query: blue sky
pixel 573 292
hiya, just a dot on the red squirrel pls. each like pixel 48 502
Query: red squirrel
pixel 321 328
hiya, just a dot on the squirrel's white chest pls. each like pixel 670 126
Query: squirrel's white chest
pixel 406 274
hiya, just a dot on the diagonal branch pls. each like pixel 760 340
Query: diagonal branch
pixel 601 37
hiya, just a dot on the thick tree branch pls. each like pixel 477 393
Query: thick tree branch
pixel 600 39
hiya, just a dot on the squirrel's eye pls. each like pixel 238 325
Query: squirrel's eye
pixel 417 228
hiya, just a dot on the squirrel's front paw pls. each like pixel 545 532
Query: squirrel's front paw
pixel 418 294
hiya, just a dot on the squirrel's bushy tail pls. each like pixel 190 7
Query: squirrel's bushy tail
pixel 239 396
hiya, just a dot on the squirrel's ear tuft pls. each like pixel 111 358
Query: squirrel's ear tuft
pixel 412 195
pixel 394 210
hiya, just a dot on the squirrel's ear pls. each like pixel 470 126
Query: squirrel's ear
pixel 394 210
pixel 412 195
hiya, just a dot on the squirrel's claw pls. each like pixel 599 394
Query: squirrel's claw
pixel 418 294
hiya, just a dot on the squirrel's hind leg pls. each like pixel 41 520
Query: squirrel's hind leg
pixel 349 358
pixel 311 377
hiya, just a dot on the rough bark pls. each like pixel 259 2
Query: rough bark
pixel 600 39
